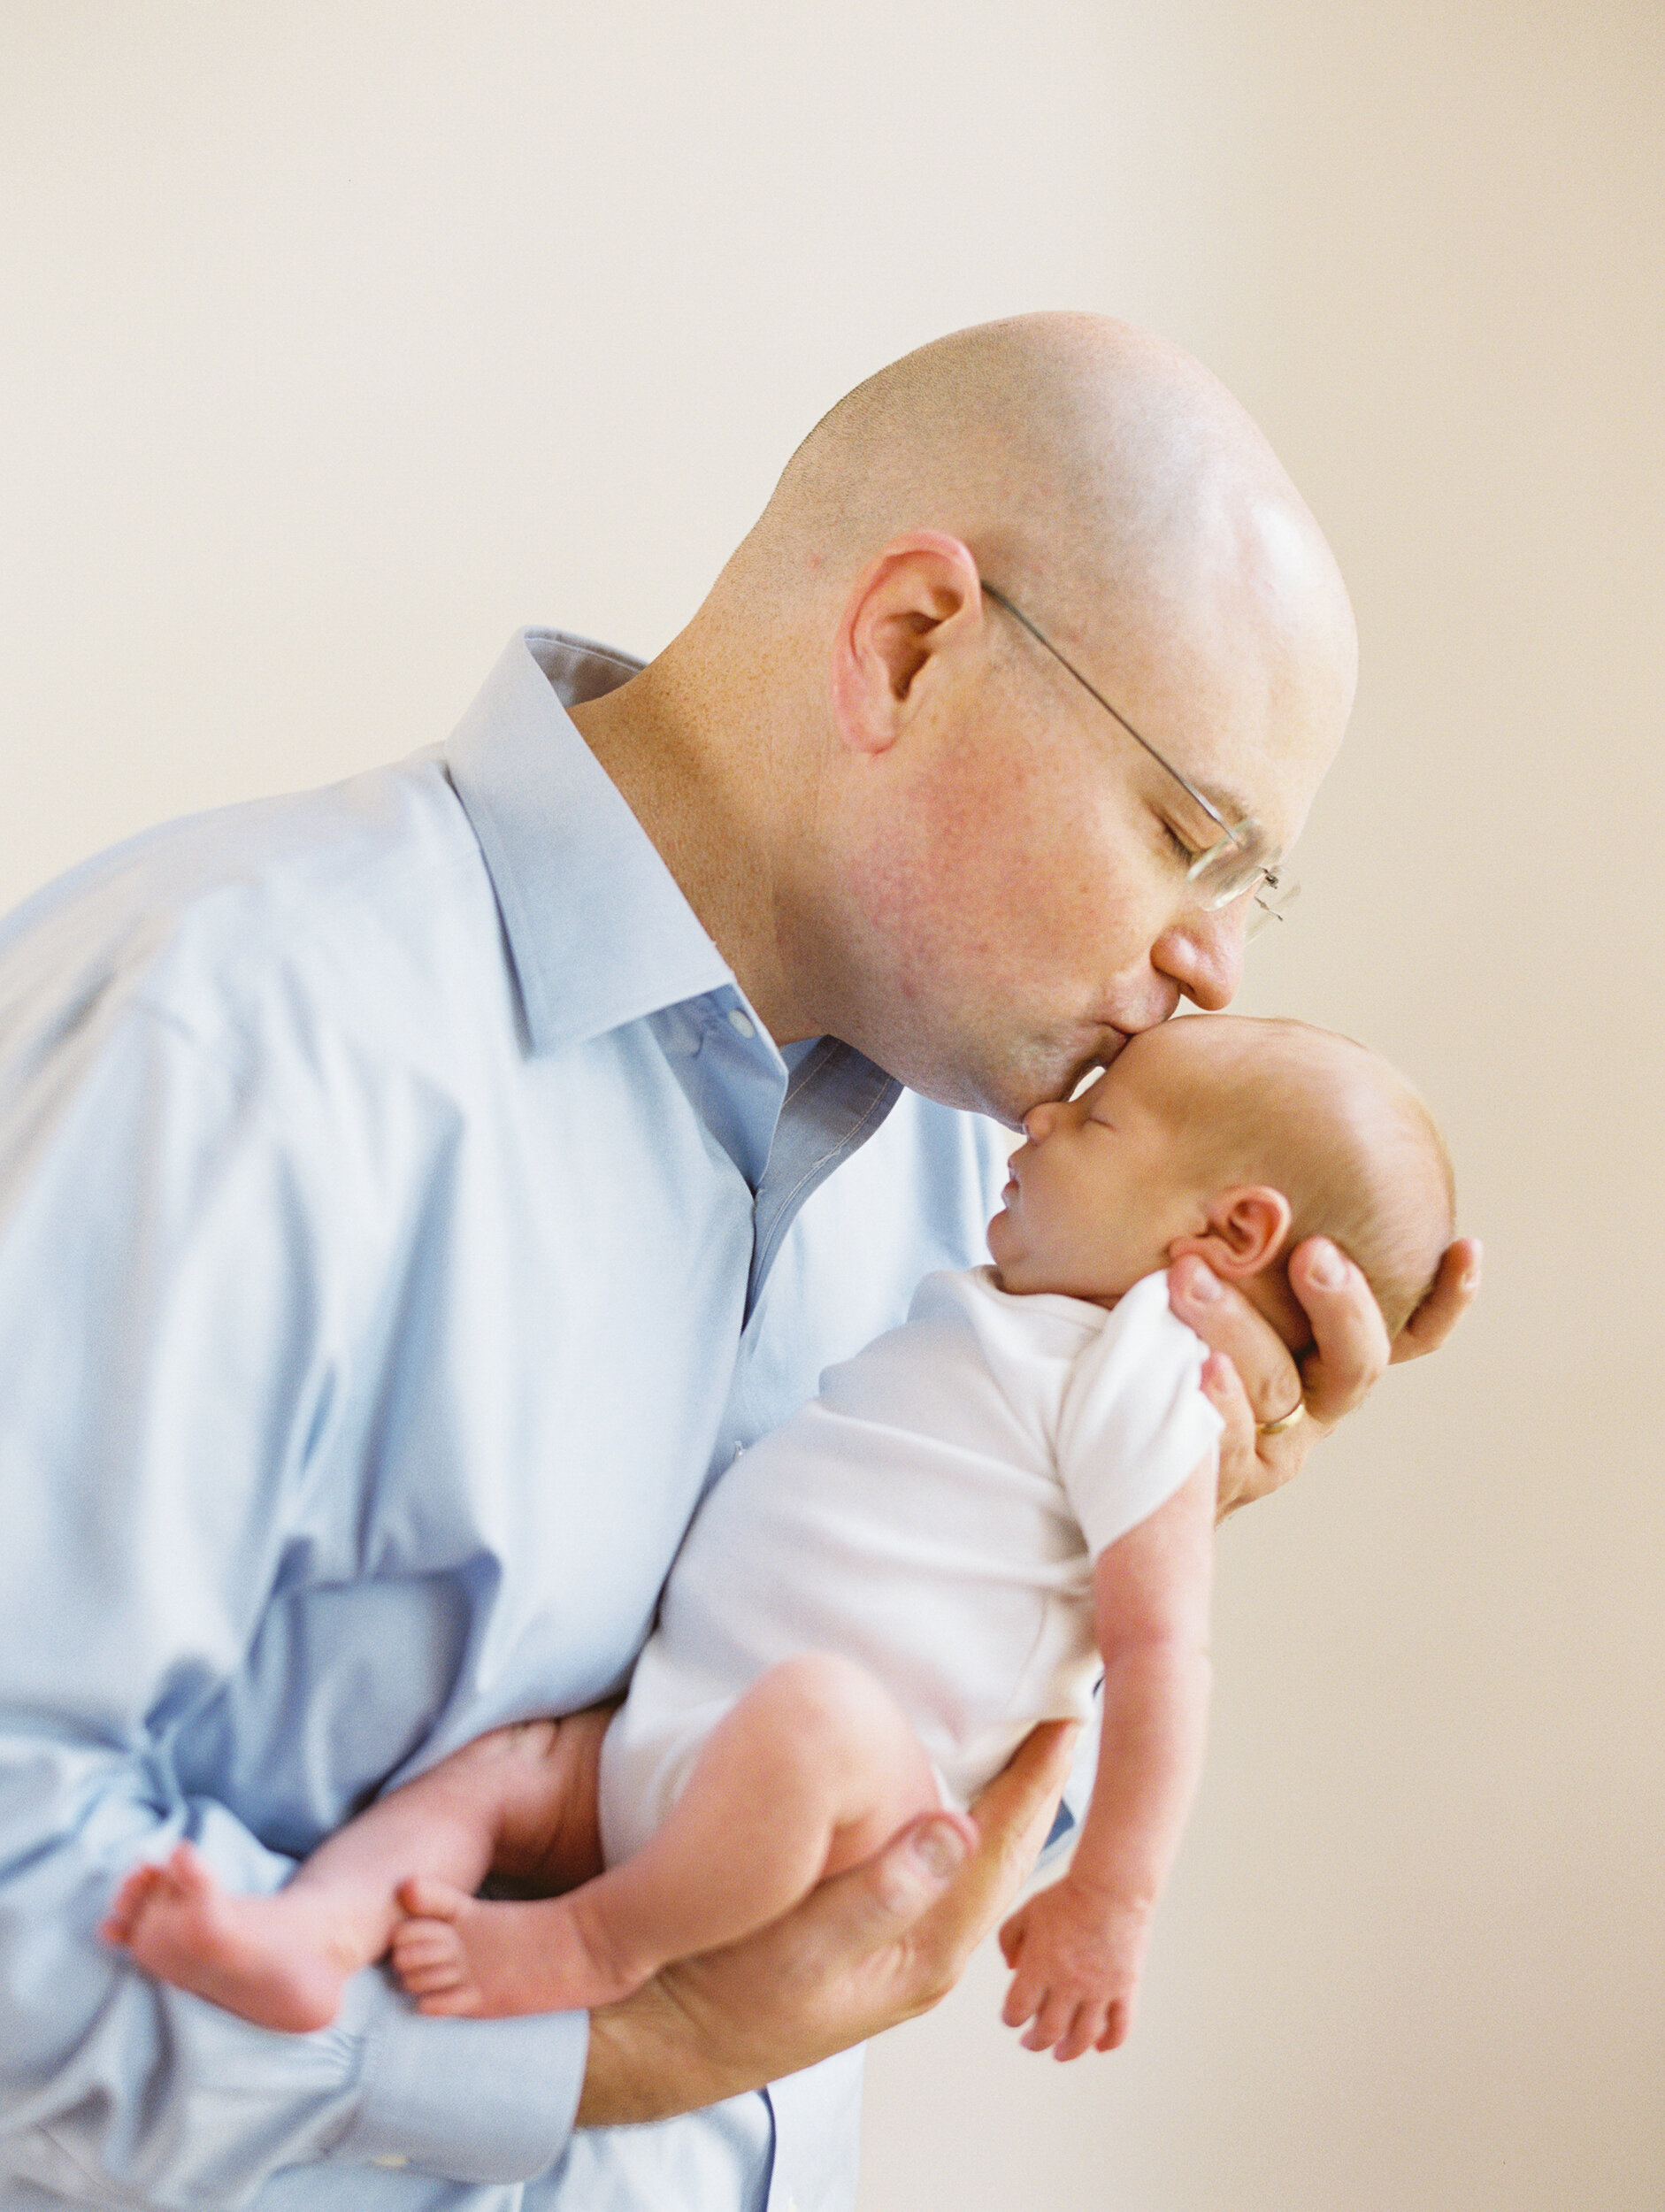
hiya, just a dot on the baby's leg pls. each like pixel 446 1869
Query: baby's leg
pixel 518 1795
pixel 811 1772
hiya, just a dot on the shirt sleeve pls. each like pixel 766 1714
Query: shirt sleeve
pixel 166 1325
pixel 1133 1423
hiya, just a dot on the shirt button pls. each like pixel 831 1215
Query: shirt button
pixel 391 2158
pixel 739 1024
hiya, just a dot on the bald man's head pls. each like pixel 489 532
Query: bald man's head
pixel 1095 471
pixel 903 821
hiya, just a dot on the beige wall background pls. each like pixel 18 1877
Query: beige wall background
pixel 338 339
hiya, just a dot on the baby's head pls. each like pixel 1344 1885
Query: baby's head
pixel 1234 1139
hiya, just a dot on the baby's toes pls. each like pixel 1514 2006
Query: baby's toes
pixel 426 1955
pixel 463 2001
pixel 128 1902
pixel 425 1899
pixel 433 1978
pixel 187 1872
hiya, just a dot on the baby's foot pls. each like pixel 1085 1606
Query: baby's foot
pixel 457 1955
pixel 246 1954
pixel 118 1924
pixel 428 1956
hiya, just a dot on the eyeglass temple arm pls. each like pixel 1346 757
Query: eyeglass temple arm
pixel 1208 806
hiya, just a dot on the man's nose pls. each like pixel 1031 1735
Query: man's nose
pixel 1203 954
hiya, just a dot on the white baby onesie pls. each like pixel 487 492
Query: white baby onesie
pixel 933 1514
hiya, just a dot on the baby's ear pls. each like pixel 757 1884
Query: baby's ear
pixel 1245 1232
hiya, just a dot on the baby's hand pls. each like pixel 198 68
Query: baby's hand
pixel 1076 1968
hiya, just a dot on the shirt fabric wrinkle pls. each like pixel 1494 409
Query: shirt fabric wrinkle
pixel 452 1004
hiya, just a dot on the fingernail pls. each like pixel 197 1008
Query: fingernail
pixel 941 1850
pixel 1202 1285
pixel 1327 1271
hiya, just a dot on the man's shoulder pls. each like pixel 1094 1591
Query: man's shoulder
pixel 359 903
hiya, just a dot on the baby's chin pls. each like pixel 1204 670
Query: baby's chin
pixel 1018 1280
pixel 1027 1274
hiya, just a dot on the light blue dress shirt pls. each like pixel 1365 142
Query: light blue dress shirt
pixel 404 1219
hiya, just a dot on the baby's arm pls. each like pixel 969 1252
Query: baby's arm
pixel 1078 1947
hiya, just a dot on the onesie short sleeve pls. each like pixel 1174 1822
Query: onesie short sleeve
pixel 1133 1423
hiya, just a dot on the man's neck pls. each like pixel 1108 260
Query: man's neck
pixel 708 807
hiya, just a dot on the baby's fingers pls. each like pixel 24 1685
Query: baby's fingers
pixel 1082 2032
pixel 1023 2000
pixel 1012 1939
pixel 1051 2024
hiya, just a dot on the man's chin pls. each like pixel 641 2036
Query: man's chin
pixel 1061 1079
pixel 971 1093
pixel 1041 1078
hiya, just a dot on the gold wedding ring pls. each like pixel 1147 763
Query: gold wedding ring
pixel 1298 1412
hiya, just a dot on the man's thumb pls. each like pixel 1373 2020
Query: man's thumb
pixel 915 1868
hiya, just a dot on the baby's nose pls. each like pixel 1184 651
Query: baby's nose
pixel 1038 1120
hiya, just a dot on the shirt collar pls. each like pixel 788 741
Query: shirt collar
pixel 599 933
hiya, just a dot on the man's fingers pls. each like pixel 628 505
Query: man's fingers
pixel 1454 1290
pixel 1226 1321
pixel 868 1926
pixel 1249 1378
pixel 913 1870
pixel 1349 1333
pixel 1013 1813
pixel 1011 1819
pixel 936 1890
pixel 1243 1476
pixel 867 1949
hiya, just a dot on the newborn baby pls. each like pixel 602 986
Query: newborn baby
pixel 990 1505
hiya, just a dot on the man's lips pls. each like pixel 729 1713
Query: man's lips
pixel 1109 1044
pixel 1108 1041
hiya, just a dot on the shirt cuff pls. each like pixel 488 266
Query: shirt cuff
pixel 470 2101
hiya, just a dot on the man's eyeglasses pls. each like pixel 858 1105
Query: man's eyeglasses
pixel 1235 864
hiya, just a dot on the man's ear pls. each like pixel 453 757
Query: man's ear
pixel 1245 1232
pixel 913 600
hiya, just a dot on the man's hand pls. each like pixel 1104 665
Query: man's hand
pixel 1253 1376
pixel 865 1950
